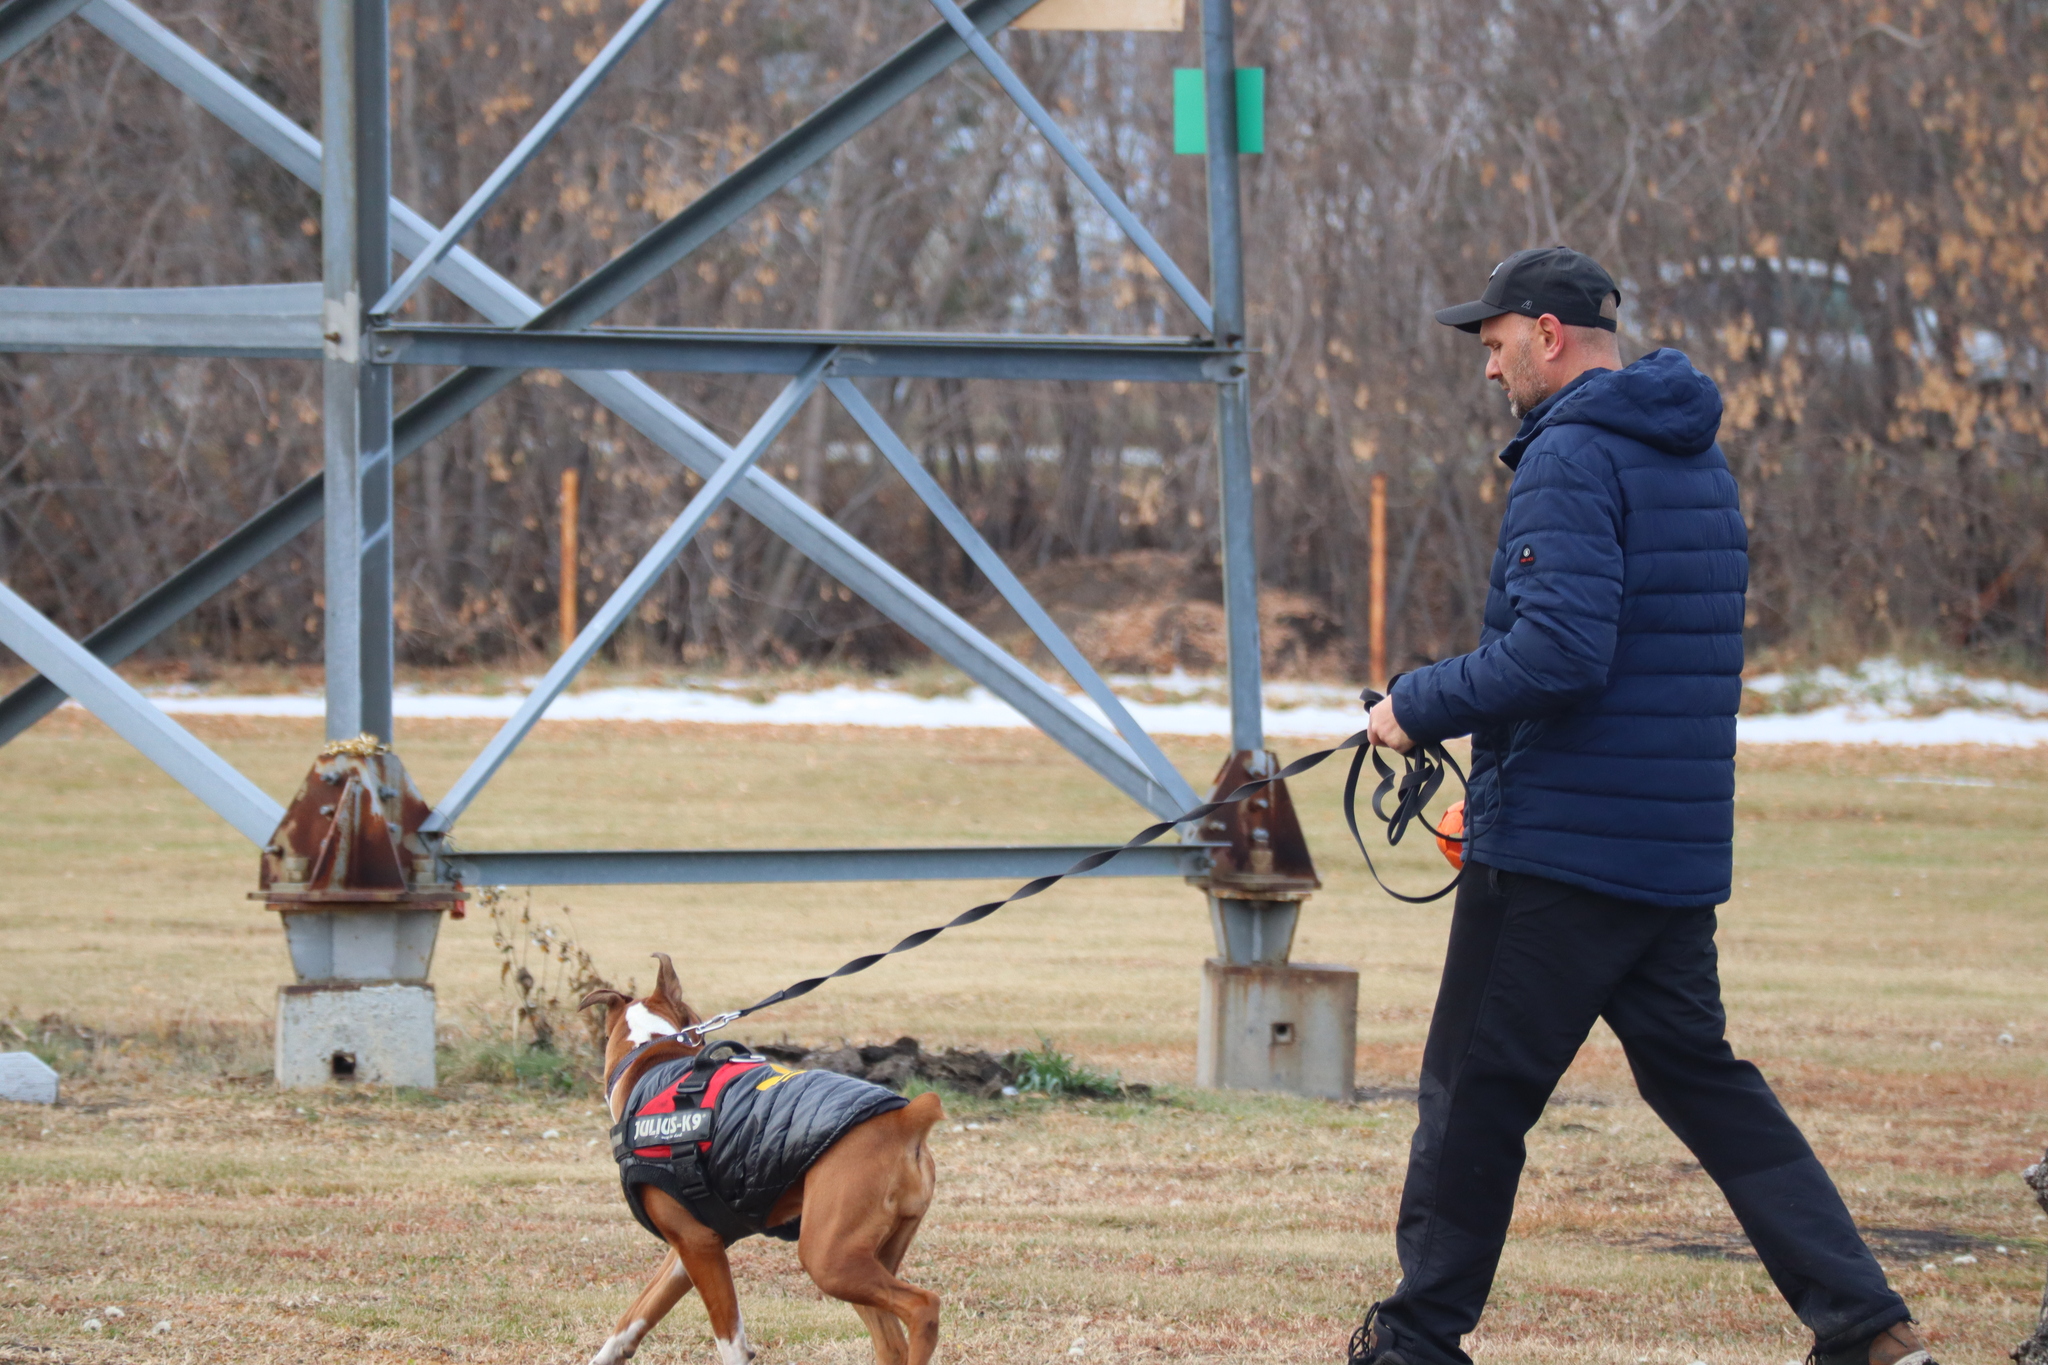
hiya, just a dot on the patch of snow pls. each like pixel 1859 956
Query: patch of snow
pixel 1881 701
pixel 1869 725
pixel 1895 688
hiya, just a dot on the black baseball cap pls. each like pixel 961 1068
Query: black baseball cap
pixel 1544 279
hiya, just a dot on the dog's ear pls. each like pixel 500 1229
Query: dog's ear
pixel 605 996
pixel 668 990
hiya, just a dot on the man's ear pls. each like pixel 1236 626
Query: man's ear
pixel 1551 337
pixel 605 996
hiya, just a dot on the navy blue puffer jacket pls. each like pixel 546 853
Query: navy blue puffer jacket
pixel 1601 700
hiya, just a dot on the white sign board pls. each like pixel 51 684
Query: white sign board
pixel 27 1078
pixel 1156 16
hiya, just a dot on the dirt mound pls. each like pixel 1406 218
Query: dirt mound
pixel 893 1064
pixel 965 1070
pixel 1154 611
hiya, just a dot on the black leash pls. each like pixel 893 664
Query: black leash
pixel 1421 777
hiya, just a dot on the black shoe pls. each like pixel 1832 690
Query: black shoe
pixel 1897 1344
pixel 1369 1344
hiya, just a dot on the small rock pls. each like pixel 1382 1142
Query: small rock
pixel 92 1324
pixel 160 1328
pixel 115 1312
pixel 27 1079
pixel 1962 1260
pixel 550 1135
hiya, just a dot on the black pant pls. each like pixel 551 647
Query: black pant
pixel 1532 963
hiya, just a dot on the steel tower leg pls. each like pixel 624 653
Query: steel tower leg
pixel 1265 1023
pixel 345 869
pixel 355 249
pixel 1233 417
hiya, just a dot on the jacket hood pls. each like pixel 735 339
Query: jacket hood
pixel 1661 401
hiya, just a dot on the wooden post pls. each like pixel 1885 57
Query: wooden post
pixel 570 497
pixel 1376 619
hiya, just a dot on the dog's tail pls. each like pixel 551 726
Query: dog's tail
pixel 916 1119
pixel 924 1111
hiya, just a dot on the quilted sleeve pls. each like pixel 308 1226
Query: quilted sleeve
pixel 1561 536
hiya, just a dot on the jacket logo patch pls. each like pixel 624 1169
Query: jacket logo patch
pixel 652 1130
pixel 1528 555
pixel 777 1075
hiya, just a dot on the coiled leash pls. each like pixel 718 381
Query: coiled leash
pixel 1421 777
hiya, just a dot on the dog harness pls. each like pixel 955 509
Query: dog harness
pixel 725 1132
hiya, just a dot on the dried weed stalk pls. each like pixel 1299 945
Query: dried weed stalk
pixel 545 971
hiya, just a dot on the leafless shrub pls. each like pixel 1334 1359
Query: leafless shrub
pixel 545 971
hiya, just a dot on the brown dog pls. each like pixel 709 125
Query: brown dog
pixel 860 1204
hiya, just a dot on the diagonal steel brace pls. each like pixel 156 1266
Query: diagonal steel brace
pixel 131 715
pixel 24 21
pixel 812 533
pixel 634 587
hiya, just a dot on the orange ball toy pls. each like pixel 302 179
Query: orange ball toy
pixel 1452 824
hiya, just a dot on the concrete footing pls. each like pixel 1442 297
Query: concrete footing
pixel 1278 1026
pixel 347 1031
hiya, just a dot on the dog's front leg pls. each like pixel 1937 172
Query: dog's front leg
pixel 704 1265
pixel 706 1261
pixel 671 1281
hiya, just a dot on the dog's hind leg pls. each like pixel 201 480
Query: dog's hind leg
pixel 863 1202
pixel 852 1254
pixel 863 1282
pixel 671 1281
pixel 886 1329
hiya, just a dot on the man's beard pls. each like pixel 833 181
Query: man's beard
pixel 1523 384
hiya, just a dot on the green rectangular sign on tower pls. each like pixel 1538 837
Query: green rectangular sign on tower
pixel 1191 111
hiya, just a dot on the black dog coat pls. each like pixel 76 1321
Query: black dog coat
pixel 725 1133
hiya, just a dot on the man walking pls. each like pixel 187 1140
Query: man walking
pixel 1601 704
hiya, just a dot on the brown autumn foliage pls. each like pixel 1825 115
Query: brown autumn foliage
pixel 1836 208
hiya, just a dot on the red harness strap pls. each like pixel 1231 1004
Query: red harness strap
pixel 665 1102
pixel 719 1080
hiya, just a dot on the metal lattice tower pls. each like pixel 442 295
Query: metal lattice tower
pixel 359 864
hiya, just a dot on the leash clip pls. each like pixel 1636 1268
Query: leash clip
pixel 712 1025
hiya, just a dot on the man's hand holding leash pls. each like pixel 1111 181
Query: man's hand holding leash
pixel 1384 730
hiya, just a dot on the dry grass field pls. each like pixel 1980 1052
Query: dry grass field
pixel 1883 956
